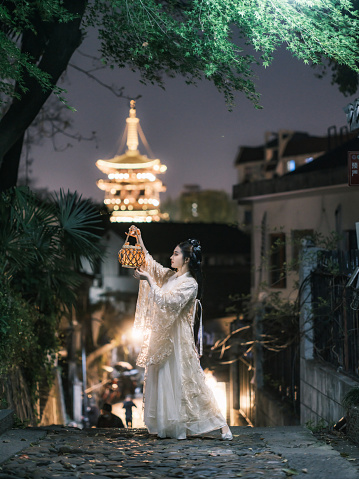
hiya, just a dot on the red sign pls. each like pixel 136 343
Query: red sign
pixel 353 168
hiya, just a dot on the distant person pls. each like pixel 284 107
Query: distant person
pixel 128 405
pixel 93 414
pixel 107 419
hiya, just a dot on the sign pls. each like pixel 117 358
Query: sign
pixel 353 168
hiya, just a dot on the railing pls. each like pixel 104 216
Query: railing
pixel 281 374
pixel 335 313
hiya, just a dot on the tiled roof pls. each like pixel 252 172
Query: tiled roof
pixel 215 238
pixel 248 154
pixel 336 158
pixel 306 145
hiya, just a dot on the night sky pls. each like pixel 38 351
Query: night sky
pixel 188 128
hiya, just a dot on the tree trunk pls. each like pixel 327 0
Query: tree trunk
pixel 10 167
pixel 55 45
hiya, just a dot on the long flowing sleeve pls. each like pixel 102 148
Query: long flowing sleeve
pixel 158 272
pixel 171 303
pixel 163 309
pixel 144 306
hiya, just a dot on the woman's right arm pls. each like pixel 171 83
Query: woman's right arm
pixel 155 269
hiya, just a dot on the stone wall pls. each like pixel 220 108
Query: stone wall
pixel 270 411
pixel 322 390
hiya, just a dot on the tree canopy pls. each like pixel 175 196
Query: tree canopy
pixel 220 40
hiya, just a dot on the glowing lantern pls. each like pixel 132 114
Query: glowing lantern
pixel 131 256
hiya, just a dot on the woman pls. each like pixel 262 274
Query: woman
pixel 177 400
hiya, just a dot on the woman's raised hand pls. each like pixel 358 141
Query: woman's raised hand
pixel 134 230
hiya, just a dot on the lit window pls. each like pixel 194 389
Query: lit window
pixel 308 160
pixel 291 165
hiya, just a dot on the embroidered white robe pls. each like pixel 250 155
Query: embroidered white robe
pixel 177 400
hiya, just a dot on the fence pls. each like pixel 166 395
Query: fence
pixel 281 374
pixel 335 310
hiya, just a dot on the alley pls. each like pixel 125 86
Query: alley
pixel 102 454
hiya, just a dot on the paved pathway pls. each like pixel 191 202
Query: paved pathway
pixel 102 454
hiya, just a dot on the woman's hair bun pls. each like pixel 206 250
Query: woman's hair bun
pixel 195 243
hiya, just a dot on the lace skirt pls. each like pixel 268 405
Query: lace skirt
pixel 178 402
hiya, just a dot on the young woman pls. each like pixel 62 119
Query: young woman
pixel 177 400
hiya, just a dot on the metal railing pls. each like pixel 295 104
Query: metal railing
pixel 335 310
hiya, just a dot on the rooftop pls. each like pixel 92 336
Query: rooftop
pixel 215 238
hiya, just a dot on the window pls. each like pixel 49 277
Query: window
pixel 248 217
pixel 277 260
pixel 290 165
pixel 350 240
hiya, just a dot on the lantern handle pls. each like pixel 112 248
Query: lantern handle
pixel 135 232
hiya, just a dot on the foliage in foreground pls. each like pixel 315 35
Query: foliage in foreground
pixel 213 39
pixel 42 245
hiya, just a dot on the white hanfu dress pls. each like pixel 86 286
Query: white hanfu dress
pixel 177 400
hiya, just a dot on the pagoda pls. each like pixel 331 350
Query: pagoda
pixel 132 188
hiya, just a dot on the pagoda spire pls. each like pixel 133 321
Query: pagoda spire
pixel 132 128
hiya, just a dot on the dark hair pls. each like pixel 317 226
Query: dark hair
pixel 107 407
pixel 192 249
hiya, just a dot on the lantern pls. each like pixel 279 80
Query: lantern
pixel 131 256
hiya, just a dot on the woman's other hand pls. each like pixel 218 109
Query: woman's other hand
pixel 141 275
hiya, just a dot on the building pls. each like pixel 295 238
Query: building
pixel 313 199
pixel 282 152
pixel 132 188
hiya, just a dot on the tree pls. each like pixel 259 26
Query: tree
pixel 208 206
pixel 219 40
pixel 42 245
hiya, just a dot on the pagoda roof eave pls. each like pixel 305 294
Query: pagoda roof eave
pixel 125 162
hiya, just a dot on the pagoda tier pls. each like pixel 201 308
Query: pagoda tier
pixel 132 188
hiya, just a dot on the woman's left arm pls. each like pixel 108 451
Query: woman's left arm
pixel 175 300
pixel 143 275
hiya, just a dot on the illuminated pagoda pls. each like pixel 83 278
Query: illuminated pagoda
pixel 132 188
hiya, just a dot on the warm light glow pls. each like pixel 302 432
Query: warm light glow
pixel 116 207
pixel 163 168
pixel 219 391
pixel 155 202
pixel 113 191
pixel 126 201
pixel 136 335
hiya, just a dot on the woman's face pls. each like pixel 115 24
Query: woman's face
pixel 177 258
